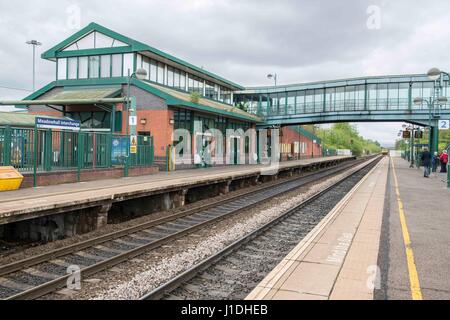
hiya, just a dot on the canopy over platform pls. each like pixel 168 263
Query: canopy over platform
pixel 87 93
pixel 22 119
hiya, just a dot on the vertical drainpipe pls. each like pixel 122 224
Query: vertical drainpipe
pixel 35 164
pixel 111 136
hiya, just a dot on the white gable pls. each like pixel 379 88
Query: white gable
pixel 94 40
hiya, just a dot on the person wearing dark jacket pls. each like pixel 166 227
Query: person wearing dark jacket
pixel 426 160
pixel 435 162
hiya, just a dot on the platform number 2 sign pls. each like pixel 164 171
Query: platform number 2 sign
pixel 444 124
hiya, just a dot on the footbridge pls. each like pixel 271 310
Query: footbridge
pixel 389 98
pixel 369 99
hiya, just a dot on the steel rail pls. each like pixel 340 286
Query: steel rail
pixel 53 285
pixel 186 276
pixel 34 260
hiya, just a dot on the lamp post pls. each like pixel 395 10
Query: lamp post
pixel 140 74
pixel 274 77
pixel 436 74
pixel 410 128
pixel 35 44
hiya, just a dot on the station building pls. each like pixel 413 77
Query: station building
pixel 98 63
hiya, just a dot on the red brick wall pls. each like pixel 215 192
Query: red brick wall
pixel 55 178
pixel 289 136
pixel 158 124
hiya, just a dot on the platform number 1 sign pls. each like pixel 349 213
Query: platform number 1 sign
pixel 444 124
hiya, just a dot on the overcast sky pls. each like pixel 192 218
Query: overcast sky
pixel 243 41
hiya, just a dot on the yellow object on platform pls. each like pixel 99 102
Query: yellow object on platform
pixel 10 179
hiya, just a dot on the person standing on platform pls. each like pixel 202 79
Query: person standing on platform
pixel 444 161
pixel 435 162
pixel 426 160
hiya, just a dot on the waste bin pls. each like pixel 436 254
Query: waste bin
pixel 10 179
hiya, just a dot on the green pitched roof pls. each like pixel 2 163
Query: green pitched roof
pixel 184 98
pixel 133 46
pixel 87 93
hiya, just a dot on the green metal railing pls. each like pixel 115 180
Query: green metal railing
pixel 33 151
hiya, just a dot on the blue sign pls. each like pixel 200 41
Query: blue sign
pixel 61 124
pixel 119 150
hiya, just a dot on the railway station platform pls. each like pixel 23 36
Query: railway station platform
pixel 94 203
pixel 386 240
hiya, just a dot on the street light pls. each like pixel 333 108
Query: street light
pixel 435 74
pixel 35 44
pixel 274 77
pixel 411 129
pixel 140 74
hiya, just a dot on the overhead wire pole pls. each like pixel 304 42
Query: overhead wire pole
pixel 34 43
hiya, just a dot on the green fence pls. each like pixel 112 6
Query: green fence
pixel 32 150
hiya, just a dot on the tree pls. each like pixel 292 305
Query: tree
pixel 346 136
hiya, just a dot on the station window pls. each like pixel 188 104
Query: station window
pixel 170 76
pixel 160 78
pixel 94 66
pixel 153 70
pixel 146 66
pixel 116 65
pixel 83 67
pixel 128 64
pixel 211 91
pixel 225 95
pixel 62 69
pixel 182 119
pixel 195 84
pixel 105 66
pixel 72 68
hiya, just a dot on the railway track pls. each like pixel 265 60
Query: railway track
pixel 235 271
pixel 39 275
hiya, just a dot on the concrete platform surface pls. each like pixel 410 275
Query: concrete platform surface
pixel 337 259
pixel 415 254
pixel 24 201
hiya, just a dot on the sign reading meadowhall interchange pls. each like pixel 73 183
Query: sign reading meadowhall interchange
pixel 59 124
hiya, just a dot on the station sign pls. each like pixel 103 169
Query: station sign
pixel 133 144
pixel 444 124
pixel 133 121
pixel 57 124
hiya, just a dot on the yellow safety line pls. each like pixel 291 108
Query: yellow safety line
pixel 412 270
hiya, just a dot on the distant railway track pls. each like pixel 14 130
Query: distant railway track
pixel 236 270
pixel 39 275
